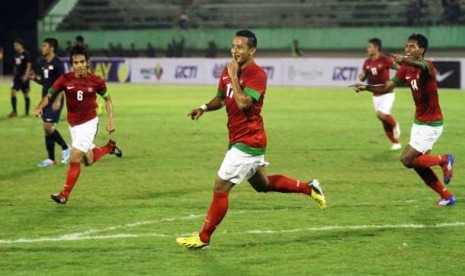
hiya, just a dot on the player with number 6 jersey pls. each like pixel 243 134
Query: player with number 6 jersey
pixel 420 75
pixel 81 89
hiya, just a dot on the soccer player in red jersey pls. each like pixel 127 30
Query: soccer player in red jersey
pixel 376 70
pixel 81 88
pixel 242 89
pixel 420 75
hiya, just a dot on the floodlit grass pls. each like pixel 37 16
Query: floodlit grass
pixel 124 214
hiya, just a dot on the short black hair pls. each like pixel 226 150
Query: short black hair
pixel 78 50
pixel 19 41
pixel 251 38
pixel 375 41
pixel 421 40
pixel 79 38
pixel 52 42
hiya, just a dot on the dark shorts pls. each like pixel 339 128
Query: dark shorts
pixel 19 85
pixel 49 115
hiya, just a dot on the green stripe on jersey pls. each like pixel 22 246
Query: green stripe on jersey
pixel 106 95
pixel 433 123
pixel 249 150
pixel 252 93
pixel 220 94
pixel 427 66
pixel 52 92
pixel 397 81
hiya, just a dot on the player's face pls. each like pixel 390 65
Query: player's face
pixel 80 65
pixel 18 47
pixel 240 51
pixel 46 49
pixel 413 50
pixel 372 49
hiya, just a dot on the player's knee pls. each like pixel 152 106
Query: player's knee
pixel 48 129
pixel 261 188
pixel 380 115
pixel 406 161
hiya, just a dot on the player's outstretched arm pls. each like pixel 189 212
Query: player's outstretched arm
pixel 400 59
pixel 215 104
pixel 374 88
pixel 110 121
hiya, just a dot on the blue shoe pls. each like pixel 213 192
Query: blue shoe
pixel 446 202
pixel 65 154
pixel 448 168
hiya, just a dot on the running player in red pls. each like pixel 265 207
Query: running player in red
pixel 242 89
pixel 81 89
pixel 420 75
pixel 376 71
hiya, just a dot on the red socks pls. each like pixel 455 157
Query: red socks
pixel 99 152
pixel 73 174
pixel 431 179
pixel 284 184
pixel 216 213
pixel 426 160
pixel 389 123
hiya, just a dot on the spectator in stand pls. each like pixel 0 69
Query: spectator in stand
pixel 169 50
pixel 413 12
pixel 150 50
pixel 212 50
pixel 183 20
pixel 296 52
pixel 451 12
pixel 132 51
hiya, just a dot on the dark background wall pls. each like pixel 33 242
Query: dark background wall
pixel 18 19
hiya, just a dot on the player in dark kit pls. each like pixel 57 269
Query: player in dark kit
pixel 376 71
pixel 21 73
pixel 81 89
pixel 51 68
pixel 420 75
pixel 242 89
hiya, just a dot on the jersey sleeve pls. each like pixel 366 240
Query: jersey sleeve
pixel 102 88
pixel 222 85
pixel 399 78
pixel 364 70
pixel 57 86
pixel 389 62
pixel 255 87
pixel 429 68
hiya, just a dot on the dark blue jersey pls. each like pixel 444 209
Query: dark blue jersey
pixel 21 61
pixel 50 72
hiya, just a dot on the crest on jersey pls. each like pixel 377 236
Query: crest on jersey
pixel 91 90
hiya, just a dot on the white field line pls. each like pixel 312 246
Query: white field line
pixel 85 235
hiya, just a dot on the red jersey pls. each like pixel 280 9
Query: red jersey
pixel 246 129
pixel 81 95
pixel 424 90
pixel 377 70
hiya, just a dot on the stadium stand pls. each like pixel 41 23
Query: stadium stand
pixel 146 14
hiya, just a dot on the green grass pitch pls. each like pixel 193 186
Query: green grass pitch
pixel 124 214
